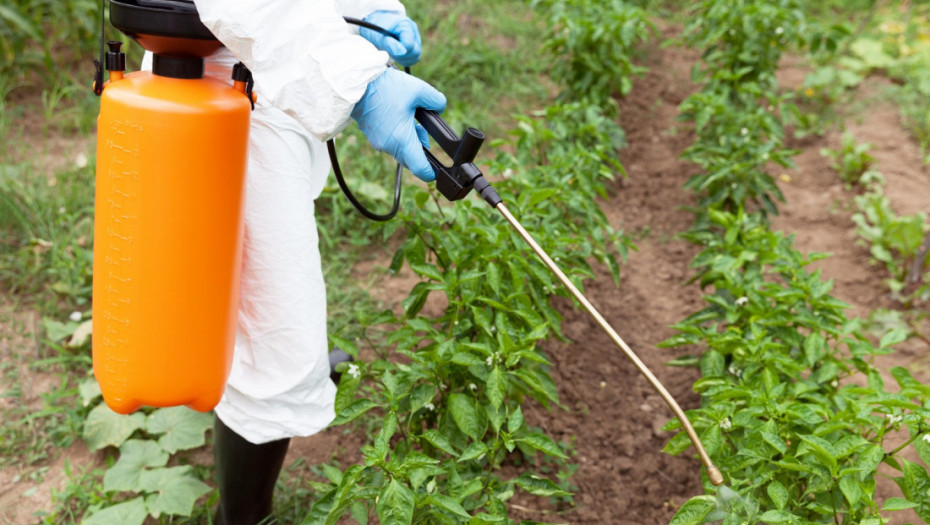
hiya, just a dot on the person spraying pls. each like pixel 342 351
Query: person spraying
pixel 313 75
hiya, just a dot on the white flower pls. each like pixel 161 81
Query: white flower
pixel 429 406
pixel 61 210
pixel 926 438
pixel 726 424
pixel 472 387
pixel 354 370
pixel 742 301
pixel 744 132
pixel 779 31
pixel 765 156
pixel 735 371
pixel 80 161
pixel 508 173
pixel 75 316
pixel 835 383
pixel 490 360
pixel 894 420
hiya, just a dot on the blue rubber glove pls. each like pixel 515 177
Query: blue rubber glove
pixel 385 115
pixel 406 48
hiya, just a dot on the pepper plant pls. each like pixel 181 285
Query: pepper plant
pixel 799 440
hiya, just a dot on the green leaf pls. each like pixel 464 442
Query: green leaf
pixel 515 421
pixel 383 439
pixel 426 270
pixel 56 331
pixel 465 415
pixel 694 511
pixel 822 450
pixel 439 441
pixel 446 503
pixel 539 486
pixel 898 504
pixel 779 516
pixel 922 444
pixel 851 489
pixel 778 493
pixel 130 512
pixel 105 427
pixel 474 451
pixel 893 337
pixel 496 387
pixel 134 456
pixel 353 411
pixel 175 489
pixel 181 428
pixel 395 504
pixel 542 443
pixel 89 390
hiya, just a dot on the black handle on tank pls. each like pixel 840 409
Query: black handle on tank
pixel 455 181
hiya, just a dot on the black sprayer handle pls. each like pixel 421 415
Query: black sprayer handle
pixel 455 181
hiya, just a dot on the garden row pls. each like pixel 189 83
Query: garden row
pixel 797 437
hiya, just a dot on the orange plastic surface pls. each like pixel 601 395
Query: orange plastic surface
pixel 171 159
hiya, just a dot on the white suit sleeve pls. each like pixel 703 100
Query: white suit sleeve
pixel 301 54
pixel 363 8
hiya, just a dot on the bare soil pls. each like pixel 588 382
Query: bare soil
pixel 609 413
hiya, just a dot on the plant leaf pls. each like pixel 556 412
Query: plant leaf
pixel 694 510
pixel 130 512
pixel 134 456
pixel 395 504
pixel 105 427
pixel 465 415
pixel 175 490
pixel 181 428
pixel 539 486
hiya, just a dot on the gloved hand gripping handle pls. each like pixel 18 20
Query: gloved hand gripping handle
pixel 455 181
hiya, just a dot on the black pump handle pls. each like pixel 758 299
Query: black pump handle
pixel 454 181
pixel 438 130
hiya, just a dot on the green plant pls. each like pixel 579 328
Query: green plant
pixel 797 440
pixel 737 113
pixel 900 243
pixel 140 483
pixel 596 42
pixel 851 161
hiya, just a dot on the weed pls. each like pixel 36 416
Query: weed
pixel 901 244
pixel 852 161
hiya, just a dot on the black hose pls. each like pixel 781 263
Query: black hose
pixel 334 160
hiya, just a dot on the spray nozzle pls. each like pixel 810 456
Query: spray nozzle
pixel 455 181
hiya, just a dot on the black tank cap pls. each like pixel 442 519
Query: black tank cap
pixel 177 67
pixel 172 18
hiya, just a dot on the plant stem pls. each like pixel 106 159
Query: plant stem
pixel 906 443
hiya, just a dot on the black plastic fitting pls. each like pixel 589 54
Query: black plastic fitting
pixel 455 181
pixel 116 60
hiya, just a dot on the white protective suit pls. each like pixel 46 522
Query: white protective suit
pixel 310 69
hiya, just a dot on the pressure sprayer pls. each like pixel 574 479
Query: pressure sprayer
pixel 171 157
pixel 171 160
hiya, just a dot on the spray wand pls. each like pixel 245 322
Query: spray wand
pixel 456 181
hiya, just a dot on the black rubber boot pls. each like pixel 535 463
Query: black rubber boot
pixel 335 357
pixel 246 475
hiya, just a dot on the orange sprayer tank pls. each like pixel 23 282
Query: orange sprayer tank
pixel 171 160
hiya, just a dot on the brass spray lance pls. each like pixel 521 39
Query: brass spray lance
pixel 455 181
